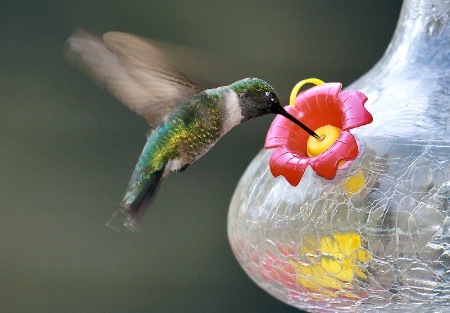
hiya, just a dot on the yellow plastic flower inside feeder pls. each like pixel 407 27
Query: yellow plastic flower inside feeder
pixel 331 264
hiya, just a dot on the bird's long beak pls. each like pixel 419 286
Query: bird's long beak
pixel 287 115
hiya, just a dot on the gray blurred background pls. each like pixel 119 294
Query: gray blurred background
pixel 68 149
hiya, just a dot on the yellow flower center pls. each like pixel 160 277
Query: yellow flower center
pixel 328 136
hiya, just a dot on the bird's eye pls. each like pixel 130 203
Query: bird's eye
pixel 272 97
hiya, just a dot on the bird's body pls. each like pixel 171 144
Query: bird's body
pixel 186 121
pixel 190 131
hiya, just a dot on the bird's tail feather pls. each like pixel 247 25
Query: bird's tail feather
pixel 131 215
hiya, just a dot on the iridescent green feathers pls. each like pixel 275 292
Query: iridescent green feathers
pixel 189 131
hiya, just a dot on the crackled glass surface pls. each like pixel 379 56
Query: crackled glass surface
pixel 377 237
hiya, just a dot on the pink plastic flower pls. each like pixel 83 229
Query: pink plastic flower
pixel 318 106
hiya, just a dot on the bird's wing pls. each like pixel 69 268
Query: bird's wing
pixel 134 70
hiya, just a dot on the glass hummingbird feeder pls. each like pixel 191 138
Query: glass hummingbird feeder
pixel 362 226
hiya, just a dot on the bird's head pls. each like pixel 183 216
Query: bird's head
pixel 258 98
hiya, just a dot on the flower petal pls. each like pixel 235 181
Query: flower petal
pixel 283 132
pixel 319 106
pixel 327 163
pixel 354 112
pixel 278 134
pixel 283 162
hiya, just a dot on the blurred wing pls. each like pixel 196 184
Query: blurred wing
pixel 133 70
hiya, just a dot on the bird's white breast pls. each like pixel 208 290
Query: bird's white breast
pixel 231 111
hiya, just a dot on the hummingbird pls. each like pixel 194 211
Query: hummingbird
pixel 186 121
